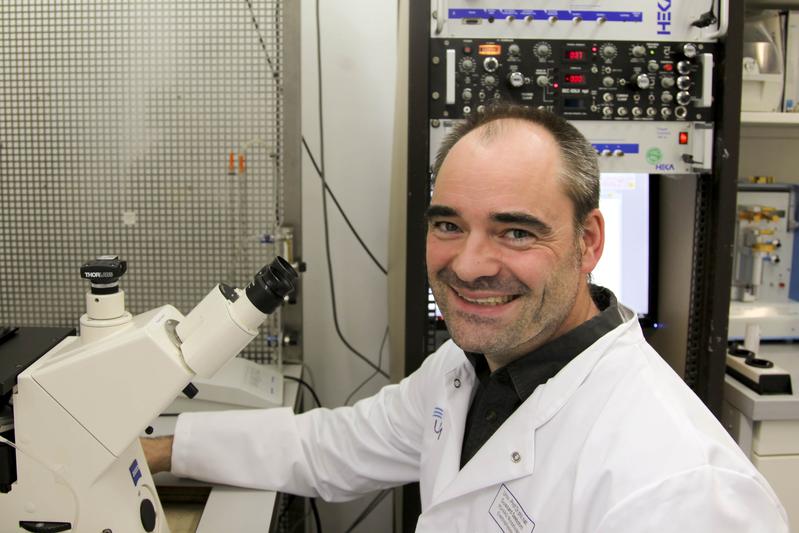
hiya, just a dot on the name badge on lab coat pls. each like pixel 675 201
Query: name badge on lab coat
pixel 508 513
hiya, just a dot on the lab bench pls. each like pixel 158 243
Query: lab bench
pixel 766 427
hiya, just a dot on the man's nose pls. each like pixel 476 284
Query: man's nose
pixel 478 257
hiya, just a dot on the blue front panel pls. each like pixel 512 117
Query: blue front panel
pixel 626 148
pixel 542 14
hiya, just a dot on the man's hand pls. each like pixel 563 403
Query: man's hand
pixel 158 452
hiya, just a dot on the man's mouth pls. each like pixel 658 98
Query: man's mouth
pixel 490 300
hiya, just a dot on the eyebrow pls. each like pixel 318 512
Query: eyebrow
pixel 523 219
pixel 435 211
pixel 513 217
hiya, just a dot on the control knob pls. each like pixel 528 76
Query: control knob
pixel 683 67
pixel 609 51
pixel 618 152
pixel 607 152
pixel 651 111
pixel 665 112
pixel 637 111
pixel 608 81
pixel 490 64
pixel 683 98
pixel 542 81
pixel 489 81
pixel 689 50
pixel 543 50
pixel 666 97
pixel 667 82
pixel 467 65
pixel 653 66
pixel 607 111
pixel 639 50
pixel 466 95
pixel 516 79
pixel 622 111
pixel 608 97
pixel 514 49
pixel 642 80
pixel 684 82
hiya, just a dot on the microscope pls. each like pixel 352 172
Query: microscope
pixel 78 410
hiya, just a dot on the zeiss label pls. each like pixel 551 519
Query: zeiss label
pixel 135 472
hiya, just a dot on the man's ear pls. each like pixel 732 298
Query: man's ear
pixel 592 241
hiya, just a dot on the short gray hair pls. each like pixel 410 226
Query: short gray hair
pixel 581 171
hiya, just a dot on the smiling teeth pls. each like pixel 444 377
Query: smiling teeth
pixel 494 300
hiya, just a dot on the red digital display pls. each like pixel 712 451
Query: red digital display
pixel 574 79
pixel 576 55
pixel 489 49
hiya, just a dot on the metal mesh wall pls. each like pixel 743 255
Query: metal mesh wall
pixel 117 124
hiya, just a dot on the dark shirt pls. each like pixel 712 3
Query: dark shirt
pixel 499 393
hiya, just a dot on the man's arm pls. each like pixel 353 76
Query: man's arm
pixel 158 452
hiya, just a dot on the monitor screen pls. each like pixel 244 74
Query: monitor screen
pixel 627 265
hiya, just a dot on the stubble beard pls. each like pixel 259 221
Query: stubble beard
pixel 541 313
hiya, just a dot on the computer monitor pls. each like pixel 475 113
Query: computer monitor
pixel 627 266
pixel 628 263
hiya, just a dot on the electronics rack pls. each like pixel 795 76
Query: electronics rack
pixel 439 71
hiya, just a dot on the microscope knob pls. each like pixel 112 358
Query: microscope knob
pixel 190 390
pixel 147 515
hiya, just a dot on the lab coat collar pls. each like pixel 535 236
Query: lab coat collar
pixel 510 453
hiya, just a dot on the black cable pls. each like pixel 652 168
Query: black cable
pixel 304 384
pixel 706 19
pixel 324 198
pixel 260 37
pixel 341 210
pixel 379 364
pixel 369 508
pixel 316 518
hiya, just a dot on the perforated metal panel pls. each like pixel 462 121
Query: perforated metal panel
pixel 118 123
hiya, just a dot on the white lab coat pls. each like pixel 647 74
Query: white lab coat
pixel 614 443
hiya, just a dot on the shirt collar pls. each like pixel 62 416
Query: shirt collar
pixel 536 367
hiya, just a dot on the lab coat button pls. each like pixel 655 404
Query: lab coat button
pixel 457 383
pixel 515 457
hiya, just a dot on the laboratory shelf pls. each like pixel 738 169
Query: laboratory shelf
pixel 752 118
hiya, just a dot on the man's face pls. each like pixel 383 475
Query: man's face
pixel 503 259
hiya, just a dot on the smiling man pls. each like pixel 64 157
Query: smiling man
pixel 547 410
pixel 507 251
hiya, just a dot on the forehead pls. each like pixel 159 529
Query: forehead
pixel 512 165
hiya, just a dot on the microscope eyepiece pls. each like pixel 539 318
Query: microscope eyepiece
pixel 271 285
pixel 103 273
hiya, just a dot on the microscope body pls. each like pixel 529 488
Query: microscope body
pixel 80 408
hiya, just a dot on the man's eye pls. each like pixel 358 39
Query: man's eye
pixel 446 227
pixel 519 234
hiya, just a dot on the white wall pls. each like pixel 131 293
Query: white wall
pixel 358 41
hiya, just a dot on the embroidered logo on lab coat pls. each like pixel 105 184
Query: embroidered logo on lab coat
pixel 508 513
pixel 438 422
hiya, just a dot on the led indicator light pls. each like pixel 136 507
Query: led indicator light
pixel 683 137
